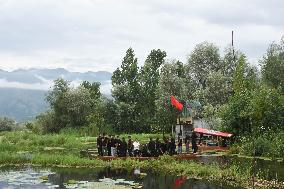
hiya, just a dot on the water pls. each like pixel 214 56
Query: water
pixel 101 178
pixel 108 178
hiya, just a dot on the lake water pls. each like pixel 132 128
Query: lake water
pixel 109 178
pixel 100 178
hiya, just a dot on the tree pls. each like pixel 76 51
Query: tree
pixel 94 90
pixel 273 65
pixel 204 59
pixel 58 104
pixel 236 114
pixel 171 82
pixel 149 81
pixel 78 106
pixel 69 106
pixel 126 93
pixel 267 110
pixel 6 124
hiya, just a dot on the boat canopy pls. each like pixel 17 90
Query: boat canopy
pixel 212 132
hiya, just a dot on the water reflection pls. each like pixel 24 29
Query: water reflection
pixel 11 177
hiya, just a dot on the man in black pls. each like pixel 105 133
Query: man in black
pixel 104 144
pixel 151 147
pixel 118 146
pixel 100 145
pixel 193 142
pixel 109 145
pixel 158 146
pixel 164 146
pixel 123 148
pixel 130 146
pixel 172 146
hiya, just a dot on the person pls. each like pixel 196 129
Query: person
pixel 187 141
pixel 172 146
pixel 164 145
pixel 123 147
pixel 193 142
pixel 130 146
pixel 151 147
pixel 113 146
pixel 109 143
pixel 179 145
pixel 136 147
pixel 100 145
pixel 118 146
pixel 104 142
pixel 158 147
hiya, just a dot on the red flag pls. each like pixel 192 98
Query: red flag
pixel 176 103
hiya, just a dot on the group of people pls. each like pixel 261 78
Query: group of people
pixel 110 145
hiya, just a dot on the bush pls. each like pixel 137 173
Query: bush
pixel 6 124
pixel 268 145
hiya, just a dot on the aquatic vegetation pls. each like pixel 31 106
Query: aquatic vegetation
pixel 64 151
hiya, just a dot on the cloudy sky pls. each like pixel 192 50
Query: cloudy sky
pixel 92 35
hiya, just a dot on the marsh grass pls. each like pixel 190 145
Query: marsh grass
pixel 63 150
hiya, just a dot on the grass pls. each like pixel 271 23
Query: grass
pixel 63 150
pixel 165 164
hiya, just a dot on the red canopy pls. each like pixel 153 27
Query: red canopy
pixel 212 132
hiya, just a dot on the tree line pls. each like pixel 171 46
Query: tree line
pixel 235 95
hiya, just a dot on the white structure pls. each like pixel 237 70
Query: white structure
pixel 185 128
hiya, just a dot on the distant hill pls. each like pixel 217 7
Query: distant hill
pixel 22 92
pixel 32 76
pixel 21 104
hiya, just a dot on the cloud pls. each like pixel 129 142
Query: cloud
pixel 46 85
pixel 93 35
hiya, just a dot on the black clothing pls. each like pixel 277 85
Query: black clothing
pixel 158 145
pixel 151 148
pixel 179 142
pixel 172 146
pixel 109 145
pixel 123 148
pixel 130 147
pixel 99 145
pixel 193 141
pixel 187 139
pixel 118 146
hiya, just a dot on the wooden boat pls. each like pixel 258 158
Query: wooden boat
pixel 202 152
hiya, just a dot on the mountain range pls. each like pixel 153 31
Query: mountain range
pixel 22 91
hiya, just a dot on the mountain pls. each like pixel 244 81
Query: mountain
pixel 32 76
pixel 22 91
pixel 21 104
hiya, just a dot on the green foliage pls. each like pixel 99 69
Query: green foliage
pixel 269 144
pixel 149 81
pixel 6 124
pixel 237 113
pixel 171 82
pixel 273 65
pixel 134 92
pixel 71 107
pixel 204 59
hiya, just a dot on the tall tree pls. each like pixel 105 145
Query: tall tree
pixel 126 92
pixel 149 82
pixel 202 60
pixel 273 65
pixel 171 82
pixel 236 114
pixel 69 106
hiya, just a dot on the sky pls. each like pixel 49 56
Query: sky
pixel 93 35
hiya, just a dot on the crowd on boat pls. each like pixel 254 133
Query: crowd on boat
pixel 110 145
